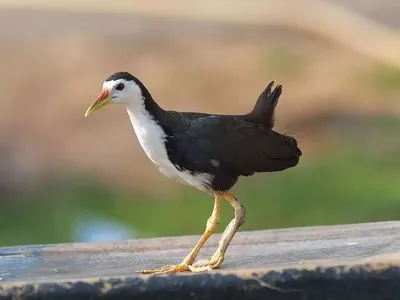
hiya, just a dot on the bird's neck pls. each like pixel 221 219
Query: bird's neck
pixel 145 113
pixel 147 123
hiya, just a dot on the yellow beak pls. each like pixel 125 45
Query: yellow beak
pixel 103 100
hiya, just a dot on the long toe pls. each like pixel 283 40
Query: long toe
pixel 214 263
pixel 167 270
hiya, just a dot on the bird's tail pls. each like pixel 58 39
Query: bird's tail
pixel 264 110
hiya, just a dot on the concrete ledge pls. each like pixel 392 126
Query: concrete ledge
pixel 357 261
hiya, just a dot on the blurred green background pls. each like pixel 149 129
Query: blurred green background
pixel 65 178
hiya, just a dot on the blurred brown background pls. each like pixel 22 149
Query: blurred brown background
pixel 66 178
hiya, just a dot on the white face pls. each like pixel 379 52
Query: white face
pixel 123 91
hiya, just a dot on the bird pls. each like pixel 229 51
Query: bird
pixel 204 150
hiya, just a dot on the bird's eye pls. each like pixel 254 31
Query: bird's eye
pixel 120 87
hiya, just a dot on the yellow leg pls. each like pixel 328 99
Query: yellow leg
pixel 218 257
pixel 211 227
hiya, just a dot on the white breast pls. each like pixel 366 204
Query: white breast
pixel 151 137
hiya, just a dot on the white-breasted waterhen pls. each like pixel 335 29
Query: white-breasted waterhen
pixel 207 151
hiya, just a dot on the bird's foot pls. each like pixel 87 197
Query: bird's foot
pixel 168 269
pixel 201 266
pixel 206 266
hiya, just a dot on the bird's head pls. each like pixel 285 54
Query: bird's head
pixel 121 87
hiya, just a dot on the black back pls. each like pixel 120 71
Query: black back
pixel 229 146
pixel 225 146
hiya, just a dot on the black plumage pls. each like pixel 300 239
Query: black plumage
pixel 225 146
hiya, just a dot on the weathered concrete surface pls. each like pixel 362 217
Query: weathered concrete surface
pixel 359 261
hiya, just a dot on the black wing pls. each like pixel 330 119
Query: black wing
pixel 234 146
